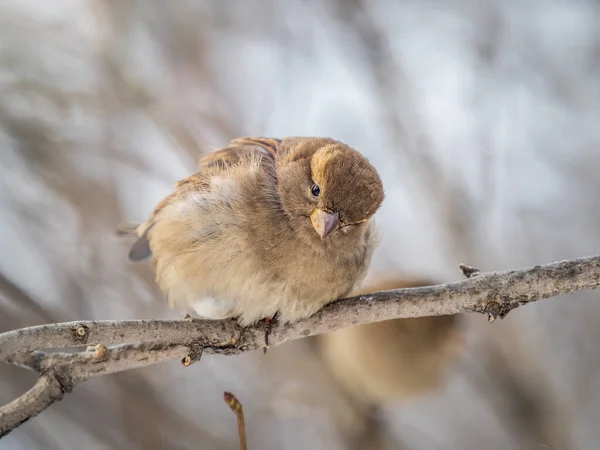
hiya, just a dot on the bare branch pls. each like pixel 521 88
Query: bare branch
pixel 62 371
pixel 492 293
pixel 46 391
pixel 495 294
pixel 84 365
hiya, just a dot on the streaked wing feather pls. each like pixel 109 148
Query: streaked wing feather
pixel 239 148
pixel 233 154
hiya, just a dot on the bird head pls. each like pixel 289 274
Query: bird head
pixel 328 188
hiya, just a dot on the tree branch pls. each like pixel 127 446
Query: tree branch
pixel 102 361
pixel 44 392
pixel 494 294
pixel 60 372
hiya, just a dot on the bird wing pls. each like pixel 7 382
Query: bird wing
pixel 240 148
pixel 239 151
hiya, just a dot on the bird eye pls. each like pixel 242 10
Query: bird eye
pixel 315 190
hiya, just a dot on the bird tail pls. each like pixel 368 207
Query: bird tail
pixel 141 247
pixel 127 229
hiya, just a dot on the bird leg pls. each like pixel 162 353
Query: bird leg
pixel 268 322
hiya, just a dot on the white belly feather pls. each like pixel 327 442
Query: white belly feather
pixel 211 308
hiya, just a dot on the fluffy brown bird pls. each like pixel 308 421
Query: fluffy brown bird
pixel 266 226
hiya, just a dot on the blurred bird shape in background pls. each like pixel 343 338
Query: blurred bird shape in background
pixel 390 361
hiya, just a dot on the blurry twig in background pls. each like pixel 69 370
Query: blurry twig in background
pixel 13 293
pixel 521 396
pixel 494 294
pixel 237 409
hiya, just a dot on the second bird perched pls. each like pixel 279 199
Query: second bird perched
pixel 266 226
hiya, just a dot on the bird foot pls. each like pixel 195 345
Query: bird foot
pixel 269 321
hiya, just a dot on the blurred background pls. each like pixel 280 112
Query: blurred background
pixel 483 120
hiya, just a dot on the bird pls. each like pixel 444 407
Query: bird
pixel 265 228
pixel 394 360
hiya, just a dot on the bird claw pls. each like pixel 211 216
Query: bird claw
pixel 268 323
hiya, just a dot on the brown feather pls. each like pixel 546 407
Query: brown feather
pixel 235 239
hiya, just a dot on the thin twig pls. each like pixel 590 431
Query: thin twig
pixel 84 365
pixel 468 271
pixel 153 341
pixel 237 409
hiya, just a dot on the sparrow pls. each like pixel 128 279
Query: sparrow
pixel 265 227
pixel 385 362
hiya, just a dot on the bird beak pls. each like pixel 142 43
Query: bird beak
pixel 324 223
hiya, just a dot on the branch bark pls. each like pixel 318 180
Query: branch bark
pixel 152 341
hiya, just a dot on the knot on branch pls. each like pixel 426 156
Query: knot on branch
pixel 64 381
pixel 498 306
pixel 81 334
pixel 100 352
pixel 195 354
